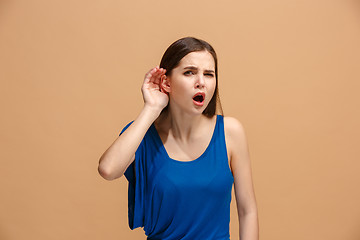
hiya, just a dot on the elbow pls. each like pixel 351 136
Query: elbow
pixel 105 172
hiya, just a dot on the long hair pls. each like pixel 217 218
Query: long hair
pixel 179 49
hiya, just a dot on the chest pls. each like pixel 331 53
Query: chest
pixel 190 150
pixel 186 151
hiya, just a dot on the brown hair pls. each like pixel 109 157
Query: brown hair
pixel 179 49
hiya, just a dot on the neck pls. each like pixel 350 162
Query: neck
pixel 182 126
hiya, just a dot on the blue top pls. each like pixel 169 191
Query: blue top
pixel 174 199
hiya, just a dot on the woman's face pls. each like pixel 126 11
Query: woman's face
pixel 192 83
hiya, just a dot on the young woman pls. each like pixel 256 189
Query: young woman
pixel 181 158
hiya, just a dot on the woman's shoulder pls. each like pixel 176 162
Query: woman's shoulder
pixel 232 124
pixel 234 130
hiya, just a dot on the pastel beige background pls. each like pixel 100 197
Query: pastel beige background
pixel 71 73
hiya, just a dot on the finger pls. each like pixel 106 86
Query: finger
pixel 149 74
pixel 156 76
pixel 151 70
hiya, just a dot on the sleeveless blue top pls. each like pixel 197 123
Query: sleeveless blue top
pixel 174 199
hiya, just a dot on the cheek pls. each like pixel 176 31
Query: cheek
pixel 178 91
pixel 212 86
pixel 179 87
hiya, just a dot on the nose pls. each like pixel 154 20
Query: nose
pixel 200 81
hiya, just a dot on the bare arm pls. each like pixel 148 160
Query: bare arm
pixel 243 185
pixel 121 153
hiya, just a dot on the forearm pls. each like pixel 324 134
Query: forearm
pixel 249 226
pixel 120 154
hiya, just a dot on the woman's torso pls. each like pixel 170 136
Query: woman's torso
pixel 188 199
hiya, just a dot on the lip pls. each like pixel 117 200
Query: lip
pixel 199 103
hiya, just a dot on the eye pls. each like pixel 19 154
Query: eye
pixel 209 74
pixel 188 73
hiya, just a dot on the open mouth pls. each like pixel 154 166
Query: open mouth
pixel 199 99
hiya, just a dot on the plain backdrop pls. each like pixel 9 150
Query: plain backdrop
pixel 71 73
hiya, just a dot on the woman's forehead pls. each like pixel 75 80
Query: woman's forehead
pixel 199 59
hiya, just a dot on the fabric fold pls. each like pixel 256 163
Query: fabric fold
pixel 135 188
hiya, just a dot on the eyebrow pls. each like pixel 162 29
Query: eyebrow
pixel 195 68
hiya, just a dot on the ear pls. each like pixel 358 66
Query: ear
pixel 165 84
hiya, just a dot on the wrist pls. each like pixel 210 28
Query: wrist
pixel 151 112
